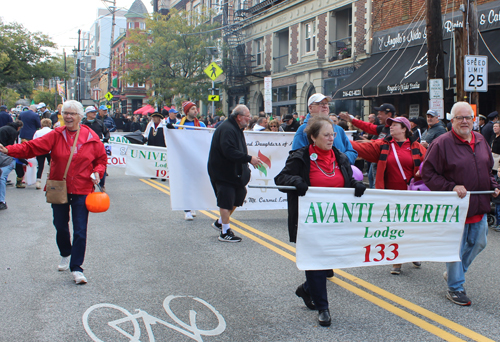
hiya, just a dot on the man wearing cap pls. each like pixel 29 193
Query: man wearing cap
pixel 5 117
pixel 189 108
pixel 155 131
pixel 95 124
pixel 488 128
pixel 461 161
pixel 318 106
pixel 106 119
pixel 435 128
pixel 44 112
pixel 172 116
pixel 385 111
pixel 482 122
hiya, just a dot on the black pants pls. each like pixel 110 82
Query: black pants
pixel 315 285
pixel 41 164
pixel 19 170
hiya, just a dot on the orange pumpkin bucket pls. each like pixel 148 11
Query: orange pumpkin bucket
pixel 97 202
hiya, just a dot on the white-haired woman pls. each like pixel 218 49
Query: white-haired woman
pixel 89 158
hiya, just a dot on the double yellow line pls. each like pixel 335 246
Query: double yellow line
pixel 286 251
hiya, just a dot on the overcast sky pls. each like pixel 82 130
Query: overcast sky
pixel 59 19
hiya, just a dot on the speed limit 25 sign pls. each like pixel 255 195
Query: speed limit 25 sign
pixel 476 73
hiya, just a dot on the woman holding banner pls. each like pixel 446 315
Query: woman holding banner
pixel 319 164
pixel 398 157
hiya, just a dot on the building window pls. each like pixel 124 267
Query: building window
pixel 130 85
pixel 141 85
pixel 142 26
pixel 341 31
pixel 131 25
pixel 259 51
pixel 310 36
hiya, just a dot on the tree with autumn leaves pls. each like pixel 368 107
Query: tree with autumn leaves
pixel 171 53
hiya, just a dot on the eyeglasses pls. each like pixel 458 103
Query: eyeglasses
pixel 69 113
pixel 330 135
pixel 324 104
pixel 461 118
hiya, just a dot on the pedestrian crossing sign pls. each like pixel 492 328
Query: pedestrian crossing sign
pixel 213 71
pixel 213 98
pixel 108 96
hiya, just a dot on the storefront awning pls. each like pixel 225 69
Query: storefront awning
pixel 493 52
pixel 401 71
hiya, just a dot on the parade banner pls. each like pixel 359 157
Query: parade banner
pixel 383 227
pixel 118 137
pixel 190 186
pixel 117 154
pixel 146 161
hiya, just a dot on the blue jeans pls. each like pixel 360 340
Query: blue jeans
pixel 497 213
pixel 79 217
pixel 474 240
pixel 3 179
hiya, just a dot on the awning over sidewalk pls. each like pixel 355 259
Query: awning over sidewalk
pixel 491 38
pixel 388 73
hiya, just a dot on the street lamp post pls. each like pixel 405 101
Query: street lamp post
pixel 212 51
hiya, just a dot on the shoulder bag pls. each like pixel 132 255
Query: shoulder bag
pixel 56 191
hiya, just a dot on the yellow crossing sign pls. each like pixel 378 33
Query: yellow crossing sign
pixel 108 96
pixel 213 98
pixel 213 71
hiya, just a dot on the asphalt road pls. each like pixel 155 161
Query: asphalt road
pixel 189 286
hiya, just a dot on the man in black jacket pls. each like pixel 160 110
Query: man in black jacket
pixel 95 124
pixel 228 168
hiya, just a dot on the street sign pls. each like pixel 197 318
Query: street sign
pixel 438 106
pixel 476 73
pixel 268 95
pixel 213 71
pixel 436 88
pixel 109 106
pixel 213 98
pixel 108 96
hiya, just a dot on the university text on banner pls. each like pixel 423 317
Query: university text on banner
pixel 383 227
pixel 146 161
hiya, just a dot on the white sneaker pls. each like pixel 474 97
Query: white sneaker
pixel 79 278
pixel 64 264
pixel 193 212
pixel 188 216
pixel 38 184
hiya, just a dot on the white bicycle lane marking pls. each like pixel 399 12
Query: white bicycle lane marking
pixel 190 330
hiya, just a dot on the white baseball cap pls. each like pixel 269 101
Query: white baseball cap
pixel 41 105
pixel 316 98
pixel 90 109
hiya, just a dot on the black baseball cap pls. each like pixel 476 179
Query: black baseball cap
pixel 386 107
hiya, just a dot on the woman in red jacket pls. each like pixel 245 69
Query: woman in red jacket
pixel 398 157
pixel 89 158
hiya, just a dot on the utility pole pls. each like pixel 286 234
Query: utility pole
pixel 435 56
pixel 110 74
pixel 65 77
pixel 473 42
pixel 78 68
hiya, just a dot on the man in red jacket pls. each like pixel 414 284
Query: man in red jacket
pixel 461 161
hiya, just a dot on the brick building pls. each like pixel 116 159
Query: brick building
pixel 131 95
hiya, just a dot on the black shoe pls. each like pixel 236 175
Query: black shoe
pixel 324 318
pixel 459 298
pixel 217 226
pixel 417 264
pixel 329 273
pixel 229 237
pixel 300 292
pixel 3 205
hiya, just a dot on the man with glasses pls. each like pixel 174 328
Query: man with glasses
pixel 461 161
pixel 318 106
pixel 435 128
pixel 228 168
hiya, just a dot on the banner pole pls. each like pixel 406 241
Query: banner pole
pixel 289 187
